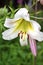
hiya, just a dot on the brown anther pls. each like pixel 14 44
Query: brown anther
pixel 25 32
pixel 20 31
pixel 21 36
pixel 18 34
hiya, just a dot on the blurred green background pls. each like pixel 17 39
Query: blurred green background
pixel 11 53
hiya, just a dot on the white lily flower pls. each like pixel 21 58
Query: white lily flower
pixel 26 28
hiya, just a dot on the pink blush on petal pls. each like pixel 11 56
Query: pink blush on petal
pixel 33 46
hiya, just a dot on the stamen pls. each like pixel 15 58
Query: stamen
pixel 25 32
pixel 21 36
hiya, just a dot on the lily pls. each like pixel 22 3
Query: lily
pixel 24 27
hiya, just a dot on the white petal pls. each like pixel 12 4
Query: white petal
pixel 9 23
pixel 9 34
pixel 36 35
pixel 22 13
pixel 26 17
pixel 35 25
pixel 23 41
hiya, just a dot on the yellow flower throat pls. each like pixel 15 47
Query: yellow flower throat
pixel 23 25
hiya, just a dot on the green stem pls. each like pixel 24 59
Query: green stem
pixel 34 60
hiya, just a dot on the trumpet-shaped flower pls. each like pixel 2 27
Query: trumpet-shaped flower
pixel 24 27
